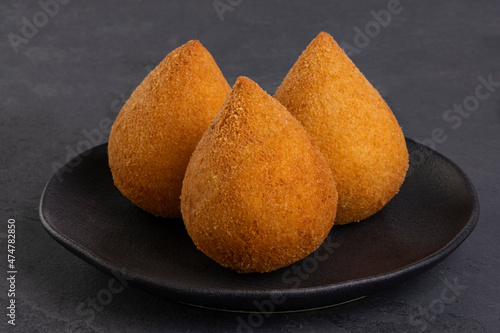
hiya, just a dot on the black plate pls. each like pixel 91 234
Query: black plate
pixel 435 210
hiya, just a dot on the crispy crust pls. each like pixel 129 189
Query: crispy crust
pixel 257 195
pixel 350 123
pixel 159 126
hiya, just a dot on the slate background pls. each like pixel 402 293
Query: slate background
pixel 71 74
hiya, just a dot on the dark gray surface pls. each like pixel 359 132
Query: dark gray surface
pixel 71 74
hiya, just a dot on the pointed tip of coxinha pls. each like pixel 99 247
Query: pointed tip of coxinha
pixel 323 37
pixel 325 45
pixel 247 95
pixel 189 49
pixel 350 123
pixel 324 62
pixel 193 43
pixel 244 83
pixel 186 73
pixel 189 57
pixel 247 87
pixel 325 40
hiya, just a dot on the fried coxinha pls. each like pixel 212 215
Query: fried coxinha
pixel 159 126
pixel 351 124
pixel 264 185
pixel 257 195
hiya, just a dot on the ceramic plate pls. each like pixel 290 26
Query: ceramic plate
pixel 435 210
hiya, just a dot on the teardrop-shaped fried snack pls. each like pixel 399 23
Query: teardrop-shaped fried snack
pixel 257 195
pixel 351 124
pixel 159 126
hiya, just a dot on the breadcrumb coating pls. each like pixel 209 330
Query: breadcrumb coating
pixel 257 195
pixel 350 123
pixel 159 126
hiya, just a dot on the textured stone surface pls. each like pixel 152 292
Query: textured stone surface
pixel 76 70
